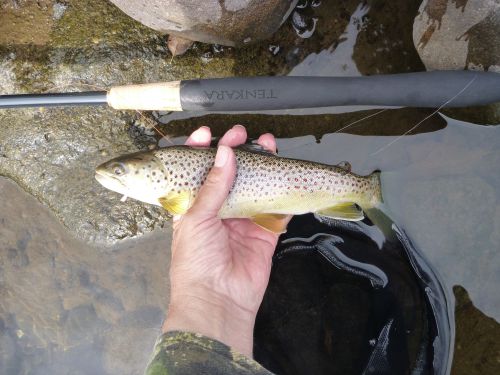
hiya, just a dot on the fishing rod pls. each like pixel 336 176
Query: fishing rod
pixel 421 89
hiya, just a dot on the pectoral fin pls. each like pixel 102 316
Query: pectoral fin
pixel 176 203
pixel 275 223
pixel 343 211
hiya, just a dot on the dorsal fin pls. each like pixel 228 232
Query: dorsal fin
pixel 345 165
pixel 255 148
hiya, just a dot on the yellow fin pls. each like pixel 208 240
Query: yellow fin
pixel 343 211
pixel 275 223
pixel 176 203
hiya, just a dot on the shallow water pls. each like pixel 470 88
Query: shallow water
pixel 67 308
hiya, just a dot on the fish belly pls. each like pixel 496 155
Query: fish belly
pixel 287 204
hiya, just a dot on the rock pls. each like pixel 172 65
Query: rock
pixel 178 45
pixel 461 34
pixel 229 22
pixel 477 348
pixel 458 34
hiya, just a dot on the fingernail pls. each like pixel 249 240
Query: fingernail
pixel 221 156
pixel 199 133
pixel 239 126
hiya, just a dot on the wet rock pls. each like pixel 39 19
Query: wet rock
pixel 229 22
pixel 458 35
pixel 461 34
pixel 477 346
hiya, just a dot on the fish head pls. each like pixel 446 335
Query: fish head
pixel 140 176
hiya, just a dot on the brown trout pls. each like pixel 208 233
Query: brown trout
pixel 266 189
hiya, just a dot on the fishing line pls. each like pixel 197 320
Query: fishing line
pixel 359 120
pixel 426 118
pixel 341 129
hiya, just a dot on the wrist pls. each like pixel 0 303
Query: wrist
pixel 214 317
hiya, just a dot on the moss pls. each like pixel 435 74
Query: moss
pixel 29 24
pixel 90 22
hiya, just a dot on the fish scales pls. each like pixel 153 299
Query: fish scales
pixel 265 183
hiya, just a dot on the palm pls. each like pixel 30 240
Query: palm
pixel 236 252
pixel 231 256
pixel 251 249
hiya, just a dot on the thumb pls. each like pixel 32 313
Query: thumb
pixel 219 181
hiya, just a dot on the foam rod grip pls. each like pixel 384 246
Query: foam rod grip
pixel 164 96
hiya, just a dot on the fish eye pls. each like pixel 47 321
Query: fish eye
pixel 118 169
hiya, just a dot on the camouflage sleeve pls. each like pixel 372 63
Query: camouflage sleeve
pixel 182 353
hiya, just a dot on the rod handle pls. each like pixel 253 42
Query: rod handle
pixel 162 96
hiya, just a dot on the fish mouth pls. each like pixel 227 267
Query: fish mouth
pixel 109 182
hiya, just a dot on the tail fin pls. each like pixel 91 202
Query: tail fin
pixel 381 221
pixel 376 185
pixel 375 205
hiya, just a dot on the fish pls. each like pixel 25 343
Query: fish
pixel 267 187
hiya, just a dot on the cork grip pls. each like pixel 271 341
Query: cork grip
pixel 164 96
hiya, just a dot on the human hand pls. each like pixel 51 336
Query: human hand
pixel 220 268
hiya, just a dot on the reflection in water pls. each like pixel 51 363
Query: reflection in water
pixel 336 60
